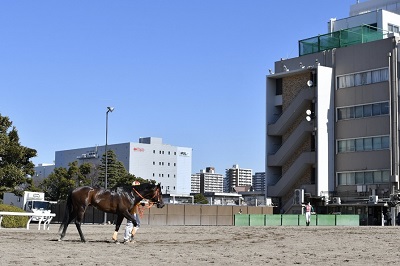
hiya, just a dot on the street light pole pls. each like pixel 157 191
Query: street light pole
pixel 109 109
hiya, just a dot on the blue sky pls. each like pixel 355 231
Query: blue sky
pixel 189 71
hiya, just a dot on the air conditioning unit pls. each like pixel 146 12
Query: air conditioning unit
pixel 298 196
pixel 336 200
pixel 373 199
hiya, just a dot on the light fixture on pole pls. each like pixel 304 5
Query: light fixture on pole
pixel 109 109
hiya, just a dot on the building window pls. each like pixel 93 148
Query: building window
pixel 361 111
pixel 363 78
pixel 393 28
pixel 363 178
pixel 154 163
pixel 278 90
pixel 154 151
pixel 363 144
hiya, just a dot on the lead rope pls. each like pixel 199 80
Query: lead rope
pixel 140 207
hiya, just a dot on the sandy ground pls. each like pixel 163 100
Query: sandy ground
pixel 201 245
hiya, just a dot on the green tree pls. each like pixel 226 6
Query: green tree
pixel 15 164
pixel 116 172
pixel 57 184
pixel 61 180
pixel 200 199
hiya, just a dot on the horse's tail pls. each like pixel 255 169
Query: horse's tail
pixel 68 209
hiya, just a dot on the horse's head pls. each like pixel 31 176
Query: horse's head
pixel 150 192
pixel 160 202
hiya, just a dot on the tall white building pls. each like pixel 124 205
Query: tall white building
pixel 237 177
pixel 207 181
pixel 148 159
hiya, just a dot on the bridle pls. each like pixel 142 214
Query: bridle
pixel 151 201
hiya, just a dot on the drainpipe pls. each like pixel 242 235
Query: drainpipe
pixel 394 147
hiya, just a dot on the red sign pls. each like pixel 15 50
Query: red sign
pixel 138 149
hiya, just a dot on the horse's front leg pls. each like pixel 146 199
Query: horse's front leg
pixel 117 225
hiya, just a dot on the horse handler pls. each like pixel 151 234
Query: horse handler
pixel 130 231
pixel 309 209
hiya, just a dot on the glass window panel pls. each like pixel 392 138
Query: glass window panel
pixel 349 80
pixel 376 109
pixel 341 82
pixel 385 142
pixel 385 176
pixel 367 110
pixel 357 79
pixel 384 74
pixel 350 112
pixel 368 178
pixel 358 111
pixel 351 179
pixel 368 144
pixel 360 178
pixel 351 145
pixel 376 76
pixel 342 179
pixel 341 113
pixel 368 77
pixel 377 143
pixel 385 108
pixel 359 144
pixel 341 146
pixel 377 177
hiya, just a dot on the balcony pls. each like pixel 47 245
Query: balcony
pixel 342 38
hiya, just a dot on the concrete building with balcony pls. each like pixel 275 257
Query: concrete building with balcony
pixel 237 177
pixel 148 159
pixel 207 181
pixel 258 183
pixel 332 117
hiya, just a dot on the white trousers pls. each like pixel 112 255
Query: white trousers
pixel 308 217
pixel 129 229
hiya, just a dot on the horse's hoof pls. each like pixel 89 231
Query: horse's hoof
pixel 115 236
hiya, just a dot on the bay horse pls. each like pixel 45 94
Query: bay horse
pixel 122 201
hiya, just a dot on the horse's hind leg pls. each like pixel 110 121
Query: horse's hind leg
pixel 71 217
pixel 78 222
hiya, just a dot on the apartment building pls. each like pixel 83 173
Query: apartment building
pixel 332 117
pixel 237 177
pixel 207 181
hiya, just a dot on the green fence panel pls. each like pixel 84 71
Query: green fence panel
pixel 348 220
pixel 242 219
pixel 326 220
pixel 290 219
pixel 273 219
pixel 302 220
pixel 257 219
